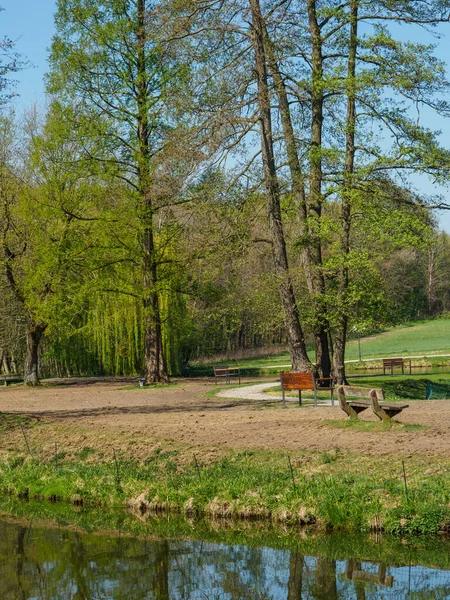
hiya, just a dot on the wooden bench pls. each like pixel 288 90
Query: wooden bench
pixel 391 363
pixel 375 400
pixel 11 379
pixel 354 572
pixel 305 381
pixel 226 372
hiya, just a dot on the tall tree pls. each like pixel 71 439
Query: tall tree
pixel 45 242
pixel 309 209
pixel 15 241
pixel 386 79
pixel 296 340
pixel 111 66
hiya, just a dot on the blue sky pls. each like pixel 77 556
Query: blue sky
pixel 30 24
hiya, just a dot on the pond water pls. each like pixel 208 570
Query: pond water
pixel 351 369
pixel 49 560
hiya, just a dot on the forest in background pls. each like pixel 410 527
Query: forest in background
pixel 215 177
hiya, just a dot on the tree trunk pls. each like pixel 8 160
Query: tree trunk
pixel 431 280
pixel 5 362
pixel 317 283
pixel 154 364
pixel 155 367
pixel 321 343
pixel 340 336
pixel 13 364
pixel 35 332
pixel 296 341
pixel 312 257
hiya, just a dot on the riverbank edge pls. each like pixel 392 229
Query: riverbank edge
pixel 427 550
pixel 324 491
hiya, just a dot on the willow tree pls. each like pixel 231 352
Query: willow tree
pixel 46 249
pixel 111 66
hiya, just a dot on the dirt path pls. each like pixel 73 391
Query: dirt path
pixel 251 392
pixel 106 410
pixel 258 392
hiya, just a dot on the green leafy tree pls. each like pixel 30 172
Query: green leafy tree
pixel 348 97
pixel 48 213
pixel 123 84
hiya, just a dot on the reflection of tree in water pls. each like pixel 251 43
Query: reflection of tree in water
pixel 20 554
pixel 325 587
pixel 78 559
pixel 433 585
pixel 244 574
pixel 360 588
pixel 69 565
pixel 296 563
pixel 161 572
pixel 216 571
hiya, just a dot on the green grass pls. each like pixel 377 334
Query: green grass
pixel 10 421
pixel 399 387
pixel 415 339
pixel 419 338
pixel 326 489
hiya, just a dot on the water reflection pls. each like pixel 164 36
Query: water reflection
pixel 55 563
pixel 353 369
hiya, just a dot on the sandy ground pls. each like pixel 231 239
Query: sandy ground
pixel 184 414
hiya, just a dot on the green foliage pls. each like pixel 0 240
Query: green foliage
pixel 109 220
pixel 336 490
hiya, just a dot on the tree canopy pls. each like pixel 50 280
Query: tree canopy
pixel 215 177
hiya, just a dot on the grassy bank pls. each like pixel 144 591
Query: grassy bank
pixel 324 489
pixel 421 550
pixel 419 338
pixel 411 387
pixel 413 339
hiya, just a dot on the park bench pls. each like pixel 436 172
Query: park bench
pixel 391 363
pixel 366 398
pixel 305 381
pixel 226 372
pixel 11 378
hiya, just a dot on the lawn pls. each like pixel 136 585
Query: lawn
pixel 420 338
pixel 416 339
